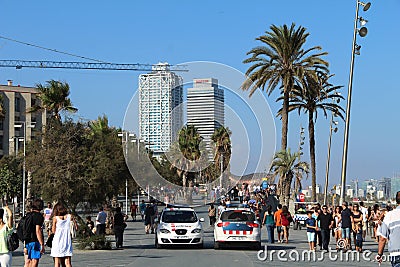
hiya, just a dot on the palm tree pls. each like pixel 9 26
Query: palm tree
pixel 54 99
pixel 223 148
pixel 281 61
pixel 310 96
pixel 285 165
pixel 188 144
pixel 99 126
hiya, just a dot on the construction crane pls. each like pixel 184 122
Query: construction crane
pixel 19 64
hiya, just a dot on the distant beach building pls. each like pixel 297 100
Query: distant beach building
pixel 160 109
pixel 205 108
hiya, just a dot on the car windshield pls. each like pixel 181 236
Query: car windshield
pixel 238 216
pixel 300 209
pixel 179 216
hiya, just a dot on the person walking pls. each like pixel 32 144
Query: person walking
pixel 34 246
pixel 375 214
pixel 148 215
pixel 101 222
pixel 346 220
pixel 325 221
pixel 61 249
pixel 338 225
pixel 268 221
pixel 364 212
pixel 5 230
pixel 286 219
pixel 119 227
pixel 278 223
pixel 47 218
pixel 318 236
pixel 212 214
pixel 311 225
pixel 142 208
pixel 133 209
pixel 389 230
pixel 357 218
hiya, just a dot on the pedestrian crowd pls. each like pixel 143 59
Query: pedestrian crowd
pixel 348 224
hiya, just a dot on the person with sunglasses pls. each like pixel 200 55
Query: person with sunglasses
pixel 326 221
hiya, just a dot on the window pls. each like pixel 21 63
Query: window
pixel 17 104
pixel 179 217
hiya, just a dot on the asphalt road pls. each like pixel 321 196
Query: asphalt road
pixel 139 250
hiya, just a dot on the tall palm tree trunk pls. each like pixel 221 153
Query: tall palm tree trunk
pixel 285 119
pixel 312 156
pixel 289 178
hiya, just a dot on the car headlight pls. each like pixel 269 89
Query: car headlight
pixel 165 231
pixel 196 231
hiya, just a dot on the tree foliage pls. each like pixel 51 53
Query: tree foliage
pixel 54 98
pixel 72 164
pixel 10 177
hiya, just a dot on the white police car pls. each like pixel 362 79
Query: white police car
pixel 239 227
pixel 179 226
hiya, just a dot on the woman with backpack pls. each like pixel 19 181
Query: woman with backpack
pixel 5 230
pixel 286 218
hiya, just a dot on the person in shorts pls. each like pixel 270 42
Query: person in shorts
pixel 47 215
pixel 312 227
pixel 34 247
pixel 346 220
pixel 359 236
pixel 278 223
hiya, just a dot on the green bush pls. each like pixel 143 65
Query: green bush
pixel 94 242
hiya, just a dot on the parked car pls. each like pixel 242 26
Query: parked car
pixel 177 226
pixel 237 226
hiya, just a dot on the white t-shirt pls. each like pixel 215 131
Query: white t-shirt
pixel 364 212
pixel 47 214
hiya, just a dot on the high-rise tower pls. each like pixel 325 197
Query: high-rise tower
pixel 205 108
pixel 160 110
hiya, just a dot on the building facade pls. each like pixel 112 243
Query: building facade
pixel 205 108
pixel 160 109
pixel 18 125
pixel 395 185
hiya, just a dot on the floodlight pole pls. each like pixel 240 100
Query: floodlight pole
pixel 347 121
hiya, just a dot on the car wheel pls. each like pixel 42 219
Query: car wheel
pixel 217 245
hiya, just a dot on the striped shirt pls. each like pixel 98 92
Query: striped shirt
pixel 390 229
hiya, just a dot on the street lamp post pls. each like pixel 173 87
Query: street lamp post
pixel 331 129
pixel 22 124
pixel 126 140
pixel 354 50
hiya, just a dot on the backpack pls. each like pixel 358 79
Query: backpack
pixel 25 227
pixel 12 241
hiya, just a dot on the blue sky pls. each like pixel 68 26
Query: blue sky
pixel 218 31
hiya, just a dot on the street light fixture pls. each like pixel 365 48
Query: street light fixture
pixel 23 125
pixel 332 129
pixel 126 135
pixel 362 32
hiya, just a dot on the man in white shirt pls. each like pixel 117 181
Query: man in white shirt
pixel 47 215
pixel 390 230
pixel 364 212
pixel 101 222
